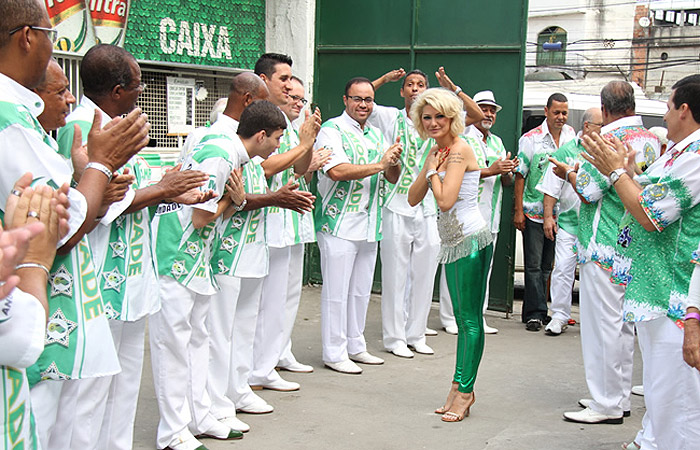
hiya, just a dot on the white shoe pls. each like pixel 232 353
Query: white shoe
pixel 188 443
pixel 279 384
pixel 297 367
pixel 423 349
pixel 555 327
pixel 402 351
pixel 235 423
pixel 221 432
pixel 488 329
pixel 430 332
pixel 452 329
pixel 638 390
pixel 586 402
pixel 346 366
pixel 589 416
pixel 259 406
pixel 366 358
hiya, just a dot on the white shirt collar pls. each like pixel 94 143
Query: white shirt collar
pixel 353 124
pixel 629 121
pixel 17 93
pixel 692 137
pixel 89 104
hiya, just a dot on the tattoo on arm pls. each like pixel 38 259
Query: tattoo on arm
pixel 455 159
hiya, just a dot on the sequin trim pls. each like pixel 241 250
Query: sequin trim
pixel 454 244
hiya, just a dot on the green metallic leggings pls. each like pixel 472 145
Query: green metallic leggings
pixel 466 281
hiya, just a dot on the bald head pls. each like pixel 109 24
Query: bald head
pixel 617 100
pixel 592 121
pixel 245 88
pixel 16 13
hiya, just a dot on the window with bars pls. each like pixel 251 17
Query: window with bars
pixel 153 99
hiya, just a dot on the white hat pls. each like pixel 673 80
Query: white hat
pixel 486 98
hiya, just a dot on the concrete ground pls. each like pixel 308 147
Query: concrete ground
pixel 525 382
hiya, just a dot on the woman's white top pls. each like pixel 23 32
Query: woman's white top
pixel 462 228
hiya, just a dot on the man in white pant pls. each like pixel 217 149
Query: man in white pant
pixel 564 224
pixel 106 406
pixel 290 161
pixel 606 341
pixel 184 236
pixel 348 217
pixel 410 242
pixel 657 247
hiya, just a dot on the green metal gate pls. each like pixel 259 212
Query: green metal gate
pixel 481 45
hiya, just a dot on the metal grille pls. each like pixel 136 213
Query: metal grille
pixel 153 99
pixel 153 102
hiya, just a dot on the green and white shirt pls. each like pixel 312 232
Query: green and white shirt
pixel 78 340
pixel 490 188
pixel 395 123
pixel 22 331
pixel 534 148
pixel 121 244
pixel 183 252
pixel 568 201
pixel 350 210
pixel 599 218
pixel 284 226
pixel 655 265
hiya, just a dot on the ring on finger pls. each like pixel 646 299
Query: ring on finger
pixel 33 214
pixel 16 192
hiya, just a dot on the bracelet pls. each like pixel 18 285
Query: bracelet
pixel 458 90
pixel 102 168
pixel 428 175
pixel 568 172
pixel 240 207
pixel 40 266
pixel 695 316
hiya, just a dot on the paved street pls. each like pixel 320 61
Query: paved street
pixel 525 383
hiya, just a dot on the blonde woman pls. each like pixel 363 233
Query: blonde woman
pixel 452 173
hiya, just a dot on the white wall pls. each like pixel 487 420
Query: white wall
pixel 290 30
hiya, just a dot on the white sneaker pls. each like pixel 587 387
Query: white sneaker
pixel 366 358
pixel 586 402
pixel 452 329
pixel 402 351
pixel 423 349
pixel 555 327
pixel 589 416
pixel 346 366
pixel 235 423
pixel 488 329
pixel 279 384
pixel 297 367
pixel 638 390
pixel 430 332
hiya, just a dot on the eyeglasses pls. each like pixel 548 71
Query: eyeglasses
pixel 296 98
pixel 358 99
pixel 51 33
pixel 596 124
pixel 140 87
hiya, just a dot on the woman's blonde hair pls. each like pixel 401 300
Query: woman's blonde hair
pixel 444 101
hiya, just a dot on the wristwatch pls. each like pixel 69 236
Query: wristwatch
pixel 616 174
pixel 569 172
pixel 428 175
pixel 240 207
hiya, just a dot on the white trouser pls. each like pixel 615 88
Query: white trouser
pixel 645 436
pixel 447 316
pixel 606 341
pixel 222 312
pixel 242 341
pixel 106 406
pixel 347 268
pixel 563 274
pixel 53 403
pixel 179 352
pixel 269 331
pixel 409 251
pixel 671 387
pixel 294 281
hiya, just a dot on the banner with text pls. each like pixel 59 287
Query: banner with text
pixel 229 33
